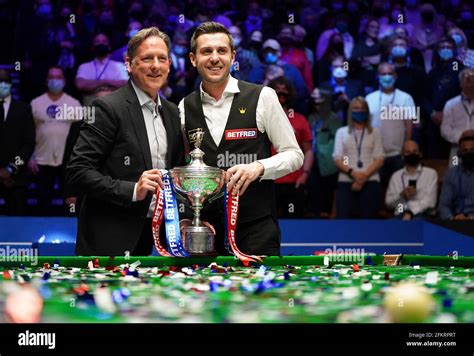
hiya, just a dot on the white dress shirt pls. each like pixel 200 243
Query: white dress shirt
pixel 392 131
pixel 156 133
pixel 271 118
pixel 458 116
pixel 345 149
pixel 426 189
pixel 6 105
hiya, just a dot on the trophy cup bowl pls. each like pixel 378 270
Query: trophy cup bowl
pixel 196 183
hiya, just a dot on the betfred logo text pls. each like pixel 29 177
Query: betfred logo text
pixel 240 134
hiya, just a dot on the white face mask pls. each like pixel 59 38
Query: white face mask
pixel 339 73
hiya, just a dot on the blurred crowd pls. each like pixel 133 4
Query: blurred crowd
pixel 380 95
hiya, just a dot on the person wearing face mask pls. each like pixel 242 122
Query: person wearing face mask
pixel 393 112
pixel 116 161
pixel 291 189
pixel 342 88
pixel 458 113
pixel 457 194
pixel 410 77
pixel 182 75
pixel 17 141
pixel 413 190
pixel 271 51
pixel 358 155
pixel 464 54
pixel 293 55
pixel 52 130
pixel 120 53
pixel 323 179
pixel 100 74
pixel 341 26
pixel 441 85
pixel 246 59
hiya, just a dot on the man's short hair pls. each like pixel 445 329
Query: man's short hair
pixel 466 72
pixel 141 36
pixel 467 135
pixel 207 28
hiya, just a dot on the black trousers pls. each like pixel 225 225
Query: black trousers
pixel 259 237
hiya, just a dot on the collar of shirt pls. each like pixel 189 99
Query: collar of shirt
pixel 7 99
pixel 418 169
pixel 144 98
pixel 230 89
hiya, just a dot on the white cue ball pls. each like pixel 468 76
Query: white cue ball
pixel 408 302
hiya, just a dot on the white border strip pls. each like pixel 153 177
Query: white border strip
pixel 17 243
pixel 355 244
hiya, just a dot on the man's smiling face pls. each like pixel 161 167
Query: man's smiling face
pixel 214 57
pixel 150 67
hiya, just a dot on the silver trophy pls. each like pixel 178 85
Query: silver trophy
pixel 196 183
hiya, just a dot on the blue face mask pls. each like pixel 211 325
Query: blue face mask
pixel 399 51
pixel 446 54
pixel 180 50
pixel 5 89
pixel 56 85
pixel 457 38
pixel 360 116
pixel 386 81
pixel 271 58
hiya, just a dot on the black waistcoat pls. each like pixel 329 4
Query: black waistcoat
pixel 242 142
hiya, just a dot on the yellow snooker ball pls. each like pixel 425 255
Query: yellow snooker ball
pixel 408 302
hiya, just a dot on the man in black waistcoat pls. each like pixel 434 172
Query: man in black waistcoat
pixel 241 121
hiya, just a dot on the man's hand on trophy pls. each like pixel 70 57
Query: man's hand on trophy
pixel 240 176
pixel 148 182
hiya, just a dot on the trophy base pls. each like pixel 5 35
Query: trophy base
pixel 199 241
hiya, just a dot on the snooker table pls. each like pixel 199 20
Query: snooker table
pixel 288 289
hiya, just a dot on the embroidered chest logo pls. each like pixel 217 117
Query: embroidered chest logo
pixel 240 134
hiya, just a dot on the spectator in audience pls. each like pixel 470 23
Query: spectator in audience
pixel 412 190
pixel 344 47
pixel 245 59
pixel 119 54
pixel 100 74
pixel 427 33
pixel 182 76
pixel 342 89
pixel 464 54
pixel 410 77
pixel 458 113
pixel 296 56
pixel 367 56
pixel 271 50
pixel 334 50
pixel 323 179
pixel 290 189
pixel 53 121
pixel 299 35
pixel 392 112
pixel 358 154
pixel 442 84
pixel 457 194
pixel 17 141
